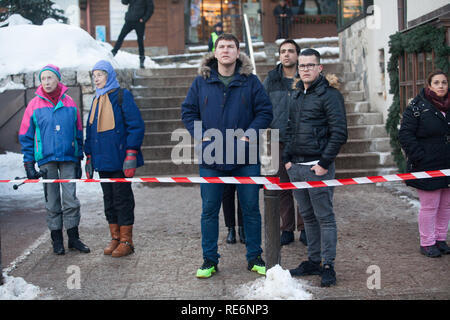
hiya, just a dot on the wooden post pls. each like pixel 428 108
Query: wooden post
pixel 272 228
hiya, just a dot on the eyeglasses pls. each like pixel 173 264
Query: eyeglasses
pixel 308 66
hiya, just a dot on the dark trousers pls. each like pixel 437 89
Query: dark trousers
pixel 228 206
pixel 287 207
pixel 283 28
pixel 126 29
pixel 118 199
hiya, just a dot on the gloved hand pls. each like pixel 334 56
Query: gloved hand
pixel 30 170
pixel 78 171
pixel 130 163
pixel 88 167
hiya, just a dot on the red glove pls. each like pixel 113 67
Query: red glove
pixel 88 167
pixel 130 163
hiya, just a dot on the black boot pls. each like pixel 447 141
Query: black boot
pixel 231 237
pixel 286 237
pixel 141 62
pixel 443 247
pixel 114 52
pixel 241 234
pixel 57 241
pixel 75 242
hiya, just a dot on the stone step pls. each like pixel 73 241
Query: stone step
pixel 366 145
pixel 359 173
pixel 354 119
pixel 163 125
pixel 357 106
pixel 161 113
pixel 159 102
pixel 142 73
pixel 163 137
pixel 169 81
pixel 350 163
pixel 367 160
pixel 367 132
pixel 161 91
pixel 354 96
pixel 160 150
pixel 352 86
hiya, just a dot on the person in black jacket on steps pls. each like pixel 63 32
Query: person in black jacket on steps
pixel 139 12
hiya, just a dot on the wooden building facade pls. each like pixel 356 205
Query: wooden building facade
pixel 177 23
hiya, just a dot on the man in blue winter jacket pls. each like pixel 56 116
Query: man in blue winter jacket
pixel 225 108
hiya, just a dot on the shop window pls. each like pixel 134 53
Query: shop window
pixel 350 11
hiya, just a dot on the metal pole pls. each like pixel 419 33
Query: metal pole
pixel 1 269
pixel 272 227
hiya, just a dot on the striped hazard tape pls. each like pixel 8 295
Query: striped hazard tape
pixel 227 180
pixel 270 183
pixel 360 180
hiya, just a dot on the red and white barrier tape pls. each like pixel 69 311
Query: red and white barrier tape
pixel 361 180
pixel 228 180
pixel 270 183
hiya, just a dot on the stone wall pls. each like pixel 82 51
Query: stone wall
pixel 353 47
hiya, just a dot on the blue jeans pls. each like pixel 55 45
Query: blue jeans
pixel 249 200
pixel 316 208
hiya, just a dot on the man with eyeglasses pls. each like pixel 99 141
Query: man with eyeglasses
pixel 280 88
pixel 316 130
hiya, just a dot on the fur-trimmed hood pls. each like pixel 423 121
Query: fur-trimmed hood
pixel 209 61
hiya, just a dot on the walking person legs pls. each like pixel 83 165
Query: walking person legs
pixel 140 31
pixel 126 29
pixel 442 220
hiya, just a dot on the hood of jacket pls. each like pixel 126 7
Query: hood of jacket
pixel 111 82
pixel 209 62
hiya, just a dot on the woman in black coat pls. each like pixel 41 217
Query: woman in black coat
pixel 425 137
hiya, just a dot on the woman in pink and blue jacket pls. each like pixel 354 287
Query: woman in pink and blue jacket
pixel 51 134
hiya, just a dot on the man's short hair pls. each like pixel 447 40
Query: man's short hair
pixel 311 52
pixel 228 37
pixel 297 47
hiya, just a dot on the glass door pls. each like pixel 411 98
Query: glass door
pixel 253 10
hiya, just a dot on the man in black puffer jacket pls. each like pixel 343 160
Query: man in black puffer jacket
pixel 139 12
pixel 280 88
pixel 317 128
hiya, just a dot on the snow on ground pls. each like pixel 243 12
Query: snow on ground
pixel 64 45
pixel 277 285
pixel 17 289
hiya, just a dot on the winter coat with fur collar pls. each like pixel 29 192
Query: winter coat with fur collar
pixel 244 105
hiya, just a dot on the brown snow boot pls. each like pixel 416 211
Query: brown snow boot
pixel 115 238
pixel 126 242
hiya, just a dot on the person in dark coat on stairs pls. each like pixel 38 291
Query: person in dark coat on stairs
pixel 114 135
pixel 283 16
pixel 425 137
pixel 138 14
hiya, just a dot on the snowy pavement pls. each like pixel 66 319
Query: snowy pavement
pixel 377 230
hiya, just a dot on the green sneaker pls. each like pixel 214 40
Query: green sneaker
pixel 257 265
pixel 207 269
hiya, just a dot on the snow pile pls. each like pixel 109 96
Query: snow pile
pixel 11 86
pixel 17 289
pixel 60 44
pixel 278 285
pixel 11 166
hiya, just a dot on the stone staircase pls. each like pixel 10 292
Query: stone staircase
pixel 160 92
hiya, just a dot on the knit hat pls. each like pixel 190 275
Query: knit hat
pixel 52 68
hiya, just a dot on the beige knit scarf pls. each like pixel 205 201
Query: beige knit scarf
pixel 105 119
